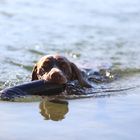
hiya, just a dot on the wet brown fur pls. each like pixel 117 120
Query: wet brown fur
pixel 57 69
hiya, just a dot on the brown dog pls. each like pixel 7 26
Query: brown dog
pixel 58 69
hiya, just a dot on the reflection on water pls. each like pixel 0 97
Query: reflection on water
pixel 54 110
pixel 91 33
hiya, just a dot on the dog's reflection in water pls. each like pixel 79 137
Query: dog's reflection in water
pixel 54 110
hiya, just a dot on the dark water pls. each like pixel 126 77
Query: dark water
pixel 93 34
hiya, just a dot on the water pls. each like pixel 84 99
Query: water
pixel 93 34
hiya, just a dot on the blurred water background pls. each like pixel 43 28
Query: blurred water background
pixel 93 34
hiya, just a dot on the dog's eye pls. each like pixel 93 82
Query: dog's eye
pixel 47 66
pixel 41 71
pixel 64 67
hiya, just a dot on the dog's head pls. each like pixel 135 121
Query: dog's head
pixel 57 69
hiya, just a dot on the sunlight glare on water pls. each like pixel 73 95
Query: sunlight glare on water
pixel 93 34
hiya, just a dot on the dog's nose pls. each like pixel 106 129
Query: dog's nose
pixel 57 76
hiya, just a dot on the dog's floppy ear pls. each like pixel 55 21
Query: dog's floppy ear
pixel 77 75
pixel 34 73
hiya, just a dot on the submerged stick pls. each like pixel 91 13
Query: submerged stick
pixel 38 87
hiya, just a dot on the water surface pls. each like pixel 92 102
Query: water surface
pixel 93 34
